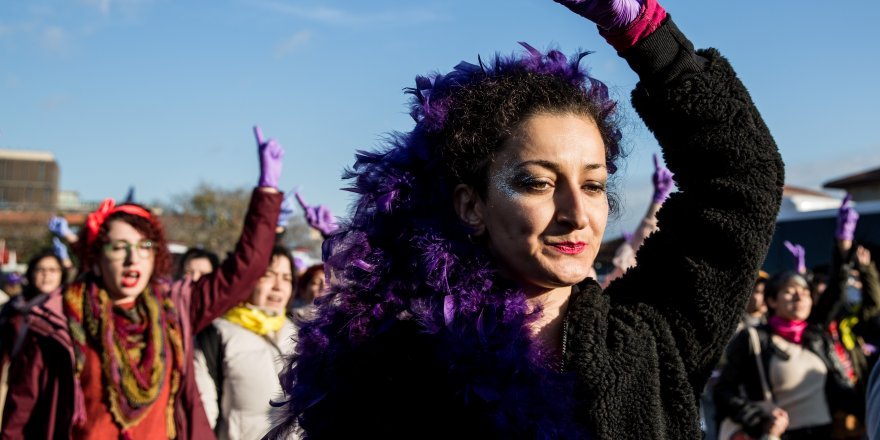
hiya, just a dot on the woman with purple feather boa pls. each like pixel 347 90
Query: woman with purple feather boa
pixel 460 304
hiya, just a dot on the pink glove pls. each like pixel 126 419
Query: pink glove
pixel 847 218
pixel 271 154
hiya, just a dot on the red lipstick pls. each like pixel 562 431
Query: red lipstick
pixel 569 247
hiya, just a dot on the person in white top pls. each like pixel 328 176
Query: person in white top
pixel 241 355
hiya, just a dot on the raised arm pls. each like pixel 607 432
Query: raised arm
pixel 696 272
pixel 217 292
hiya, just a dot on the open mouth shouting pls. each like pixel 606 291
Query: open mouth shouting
pixel 130 278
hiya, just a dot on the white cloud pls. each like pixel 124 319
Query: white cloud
pixel 54 39
pixel 339 17
pixel 293 43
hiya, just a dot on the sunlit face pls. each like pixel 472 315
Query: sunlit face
pixel 793 301
pixel 127 262
pixel 196 267
pixel 315 286
pixel 756 305
pixel 274 288
pixel 47 275
pixel 546 204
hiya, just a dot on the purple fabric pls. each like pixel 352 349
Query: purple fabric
pixel 318 217
pixel 287 210
pixel 799 254
pixel 58 226
pixel 60 249
pixel 609 15
pixel 662 179
pixel 847 219
pixel 270 153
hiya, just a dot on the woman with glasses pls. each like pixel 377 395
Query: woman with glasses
pixel 111 356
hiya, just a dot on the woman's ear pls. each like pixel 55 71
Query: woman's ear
pixel 470 208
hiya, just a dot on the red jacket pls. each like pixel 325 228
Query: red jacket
pixel 39 404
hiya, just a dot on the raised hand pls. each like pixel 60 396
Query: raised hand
pixel 60 249
pixel 287 210
pixel 607 14
pixel 662 180
pixel 318 217
pixel 847 218
pixel 270 153
pixel 797 251
pixel 58 226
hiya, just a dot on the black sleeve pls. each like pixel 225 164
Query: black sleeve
pixel 697 271
pixel 737 375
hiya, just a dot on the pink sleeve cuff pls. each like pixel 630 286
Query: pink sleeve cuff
pixel 650 18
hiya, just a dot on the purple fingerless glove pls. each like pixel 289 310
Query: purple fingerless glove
pixel 270 153
pixel 318 217
pixel 662 179
pixel 609 15
pixel 847 219
pixel 799 254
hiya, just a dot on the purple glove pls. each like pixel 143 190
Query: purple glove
pixel 58 226
pixel 60 249
pixel 847 218
pixel 270 153
pixel 287 210
pixel 318 217
pixel 662 179
pixel 799 254
pixel 607 14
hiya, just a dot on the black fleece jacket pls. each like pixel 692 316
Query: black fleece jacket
pixel 644 348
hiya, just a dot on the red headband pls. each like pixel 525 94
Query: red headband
pixel 108 207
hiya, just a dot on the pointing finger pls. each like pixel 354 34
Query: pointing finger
pixel 259 134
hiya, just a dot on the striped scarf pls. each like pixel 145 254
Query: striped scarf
pixel 133 350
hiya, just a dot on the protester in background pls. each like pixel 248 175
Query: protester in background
pixel 112 357
pixel 45 273
pixel 755 313
pixel 196 263
pixel 625 255
pixel 309 287
pixel 803 373
pixel 459 304
pixel 241 355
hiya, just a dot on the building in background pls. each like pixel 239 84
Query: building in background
pixel 28 180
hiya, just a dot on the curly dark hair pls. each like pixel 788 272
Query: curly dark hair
pixel 90 253
pixel 404 254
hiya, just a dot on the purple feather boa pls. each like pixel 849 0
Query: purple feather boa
pixel 403 256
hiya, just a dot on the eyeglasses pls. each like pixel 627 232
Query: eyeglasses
pixel 120 250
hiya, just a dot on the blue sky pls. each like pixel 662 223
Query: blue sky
pixel 162 94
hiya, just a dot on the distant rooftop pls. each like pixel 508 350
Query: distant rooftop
pixel 43 156
pixel 865 177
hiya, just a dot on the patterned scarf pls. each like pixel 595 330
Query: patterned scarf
pixel 133 350
pixel 255 320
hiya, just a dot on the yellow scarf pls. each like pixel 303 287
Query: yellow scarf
pixel 255 319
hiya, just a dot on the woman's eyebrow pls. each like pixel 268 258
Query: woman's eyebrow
pixel 553 166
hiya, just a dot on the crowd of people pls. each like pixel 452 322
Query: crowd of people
pixel 458 298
